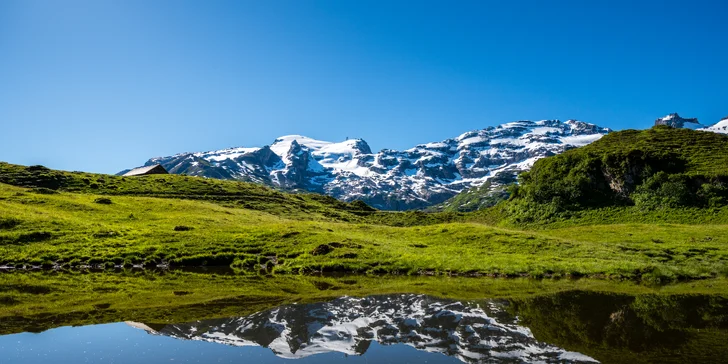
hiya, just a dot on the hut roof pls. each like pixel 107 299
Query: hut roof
pixel 155 169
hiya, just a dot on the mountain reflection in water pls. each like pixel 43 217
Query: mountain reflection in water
pixel 568 326
pixel 473 333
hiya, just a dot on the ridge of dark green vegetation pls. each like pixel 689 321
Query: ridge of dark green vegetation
pixel 649 170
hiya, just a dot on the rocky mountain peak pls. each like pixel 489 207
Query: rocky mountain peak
pixel 674 120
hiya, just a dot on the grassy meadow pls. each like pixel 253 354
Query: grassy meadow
pixel 71 227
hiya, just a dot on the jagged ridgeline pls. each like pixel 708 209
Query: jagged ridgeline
pixel 414 178
pixel 661 167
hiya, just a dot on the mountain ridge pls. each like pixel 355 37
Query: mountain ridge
pixel 418 177
pixel 674 120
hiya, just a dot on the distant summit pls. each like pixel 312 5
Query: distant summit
pixel 719 127
pixel 674 120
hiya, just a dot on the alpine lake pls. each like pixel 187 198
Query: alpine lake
pixel 138 316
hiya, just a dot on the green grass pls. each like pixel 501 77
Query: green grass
pixel 706 153
pixel 48 299
pixel 70 229
pixel 229 193
pixel 250 196
pixel 55 218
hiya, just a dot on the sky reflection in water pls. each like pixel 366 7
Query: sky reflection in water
pixel 121 343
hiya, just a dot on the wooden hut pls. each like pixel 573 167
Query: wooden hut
pixel 143 171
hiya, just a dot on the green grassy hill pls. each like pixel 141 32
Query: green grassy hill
pixel 243 194
pixel 68 219
pixel 300 206
pixel 649 170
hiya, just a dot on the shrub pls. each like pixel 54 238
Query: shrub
pixel 361 206
pixel 9 222
pixel 38 168
pixel 34 237
pixel 714 194
pixel 663 190
pixel 43 191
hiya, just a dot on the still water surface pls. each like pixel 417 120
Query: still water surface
pixel 569 327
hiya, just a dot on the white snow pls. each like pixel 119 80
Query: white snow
pixel 220 155
pixel 581 140
pixel 719 127
pixel 227 339
pixel 509 141
pixel 315 166
pixel 282 145
pixel 543 130
pixel 472 140
pixel 435 145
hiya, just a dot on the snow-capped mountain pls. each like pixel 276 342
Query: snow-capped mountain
pixel 674 120
pixel 719 127
pixel 395 180
pixel 348 325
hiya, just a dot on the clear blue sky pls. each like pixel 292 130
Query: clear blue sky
pixel 102 85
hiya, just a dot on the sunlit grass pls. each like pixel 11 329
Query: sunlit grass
pixel 71 229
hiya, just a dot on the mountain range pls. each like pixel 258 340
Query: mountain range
pixel 472 333
pixel 419 177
